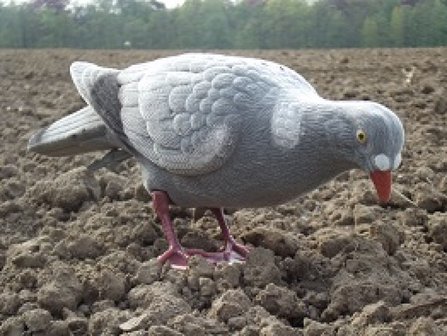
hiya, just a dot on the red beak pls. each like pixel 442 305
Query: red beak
pixel 382 182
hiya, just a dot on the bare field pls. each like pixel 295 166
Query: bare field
pixel 77 250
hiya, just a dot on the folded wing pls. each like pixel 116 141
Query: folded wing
pixel 184 113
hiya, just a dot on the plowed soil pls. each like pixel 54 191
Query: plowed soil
pixel 77 249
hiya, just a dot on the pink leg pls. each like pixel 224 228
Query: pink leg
pixel 175 254
pixel 231 252
pixel 232 249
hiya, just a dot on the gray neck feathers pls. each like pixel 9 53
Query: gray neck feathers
pixel 291 168
pixel 324 133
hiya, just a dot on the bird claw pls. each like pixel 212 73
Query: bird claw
pixel 232 253
pixel 176 257
pixel 236 250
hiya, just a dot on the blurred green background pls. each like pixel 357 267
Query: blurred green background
pixel 223 24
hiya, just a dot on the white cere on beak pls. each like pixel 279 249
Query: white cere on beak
pixel 382 162
pixel 397 161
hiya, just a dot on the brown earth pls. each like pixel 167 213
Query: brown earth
pixel 77 251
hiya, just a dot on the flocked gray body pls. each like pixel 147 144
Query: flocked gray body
pixel 218 131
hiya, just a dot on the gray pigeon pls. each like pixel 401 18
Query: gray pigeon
pixel 213 131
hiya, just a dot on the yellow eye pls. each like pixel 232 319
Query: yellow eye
pixel 361 136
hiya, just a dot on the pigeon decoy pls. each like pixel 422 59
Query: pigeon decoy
pixel 213 131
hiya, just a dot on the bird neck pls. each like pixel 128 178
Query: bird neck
pixel 325 130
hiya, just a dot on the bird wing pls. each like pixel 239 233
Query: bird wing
pixel 99 87
pixel 185 113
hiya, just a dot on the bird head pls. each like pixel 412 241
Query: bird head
pixel 371 137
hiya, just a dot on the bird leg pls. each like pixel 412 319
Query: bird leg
pixel 175 255
pixel 232 250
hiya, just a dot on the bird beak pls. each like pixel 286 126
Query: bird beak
pixel 382 182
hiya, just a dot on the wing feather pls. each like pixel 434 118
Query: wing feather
pixel 185 113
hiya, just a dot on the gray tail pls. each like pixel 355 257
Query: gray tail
pixel 80 132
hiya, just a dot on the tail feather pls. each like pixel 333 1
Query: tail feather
pixel 85 75
pixel 80 132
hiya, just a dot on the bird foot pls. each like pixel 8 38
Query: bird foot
pixel 232 253
pixel 233 247
pixel 177 258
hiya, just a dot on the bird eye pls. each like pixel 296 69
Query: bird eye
pixel 361 136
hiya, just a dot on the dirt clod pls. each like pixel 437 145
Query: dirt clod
pixel 279 242
pixel 388 235
pixel 13 326
pixel 37 319
pixel 83 247
pixel 278 329
pixel 331 241
pixel 231 304
pixel 60 328
pixel 281 302
pixel 260 268
pixel 107 322
pixel 441 103
pixel 63 291
pixel 437 226
pixel 68 191
pixel 111 285
pixel 9 303
pixel 363 214
pixel 430 199
pixel 163 331
pixel 227 276
pixel 424 326
pixel 149 272
pixel 373 313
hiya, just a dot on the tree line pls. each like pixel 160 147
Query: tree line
pixel 224 24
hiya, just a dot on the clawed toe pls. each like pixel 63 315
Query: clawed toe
pixel 176 257
pixel 234 252
pixel 231 253
pixel 237 248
